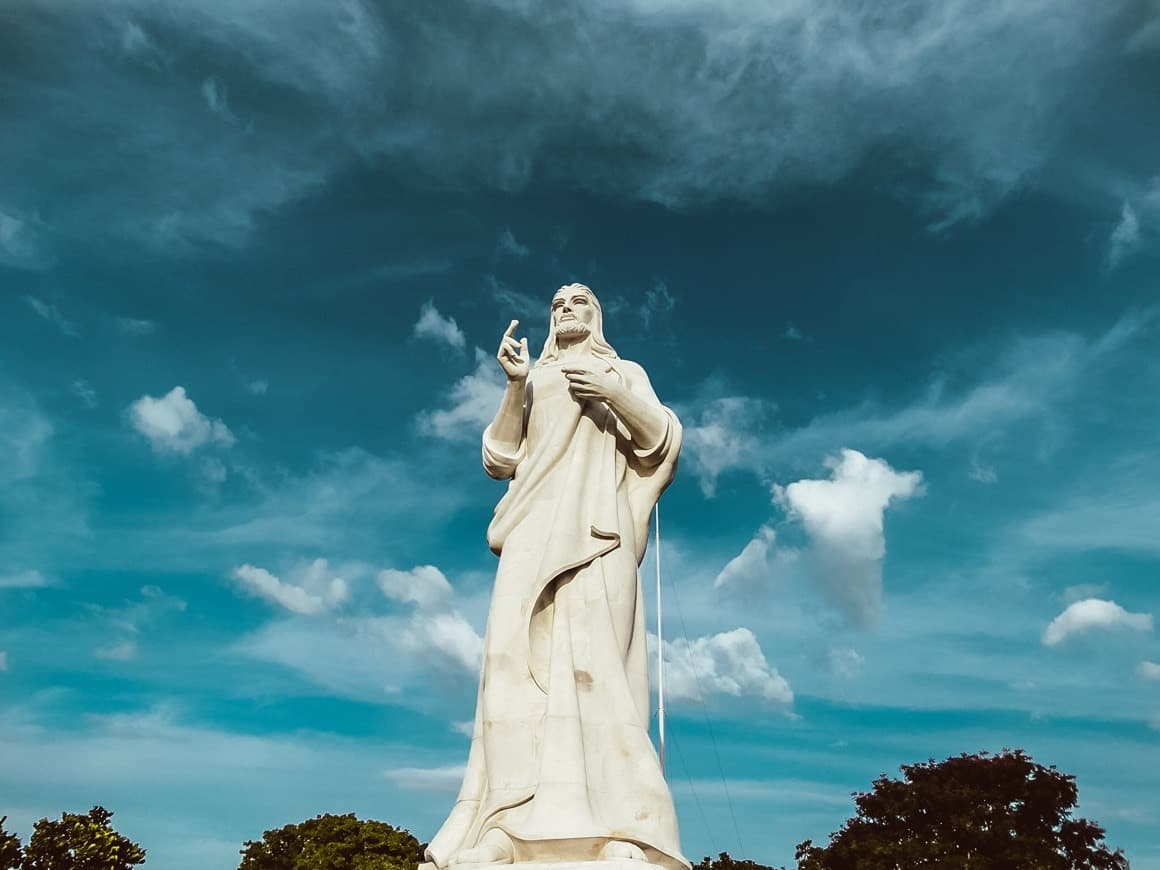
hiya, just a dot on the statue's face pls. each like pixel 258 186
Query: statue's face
pixel 572 311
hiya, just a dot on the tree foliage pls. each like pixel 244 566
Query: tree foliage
pixel 330 842
pixel 977 811
pixel 10 852
pixel 80 842
pixel 724 862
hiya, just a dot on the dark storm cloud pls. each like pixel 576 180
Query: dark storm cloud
pixel 186 121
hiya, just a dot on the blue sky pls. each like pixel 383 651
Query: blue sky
pixel 894 265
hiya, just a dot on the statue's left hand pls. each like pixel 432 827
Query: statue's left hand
pixel 585 382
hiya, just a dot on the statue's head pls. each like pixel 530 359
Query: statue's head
pixel 576 316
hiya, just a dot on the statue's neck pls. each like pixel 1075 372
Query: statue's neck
pixel 576 350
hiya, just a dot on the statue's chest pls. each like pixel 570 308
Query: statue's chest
pixel 549 385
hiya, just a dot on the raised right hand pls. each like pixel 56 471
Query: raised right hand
pixel 513 355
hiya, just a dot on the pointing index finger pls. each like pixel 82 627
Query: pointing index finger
pixel 511 328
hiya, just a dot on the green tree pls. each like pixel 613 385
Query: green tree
pixel 77 842
pixel 724 862
pixel 331 842
pixel 981 811
pixel 10 854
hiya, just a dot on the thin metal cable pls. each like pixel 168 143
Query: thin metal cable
pixel 696 798
pixel 705 716
pixel 660 647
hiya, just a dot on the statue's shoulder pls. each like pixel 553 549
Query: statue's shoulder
pixel 633 371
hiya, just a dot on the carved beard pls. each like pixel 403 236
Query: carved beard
pixel 572 329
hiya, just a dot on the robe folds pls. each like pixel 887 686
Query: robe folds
pixel 560 756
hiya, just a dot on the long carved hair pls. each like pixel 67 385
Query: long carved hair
pixel 598 344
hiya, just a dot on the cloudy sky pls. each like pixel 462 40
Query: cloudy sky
pixel 895 265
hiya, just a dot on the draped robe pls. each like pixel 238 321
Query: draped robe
pixel 560 756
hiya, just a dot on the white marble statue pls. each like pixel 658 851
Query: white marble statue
pixel 561 768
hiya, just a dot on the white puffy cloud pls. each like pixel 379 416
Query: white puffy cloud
pixel 438 328
pixel 313 589
pixel 435 625
pixel 449 635
pixel 471 403
pixel 843 517
pixel 1148 671
pixel 424 586
pixel 1083 616
pixel 730 663
pixel 173 424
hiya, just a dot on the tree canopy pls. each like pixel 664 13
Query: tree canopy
pixel 79 842
pixel 330 842
pixel 724 862
pixel 978 811
pixel 10 851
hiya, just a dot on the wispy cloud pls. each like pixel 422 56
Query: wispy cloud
pixel 470 404
pixel 216 96
pixel 792 333
pixel 509 246
pixel 846 662
pixel 20 242
pixel 438 779
pixel 1125 237
pixel 52 314
pixel 1028 380
pixel 727 433
pixel 519 304
pixel 1138 215
pixel 136 326
pixel 751 574
pixel 30 579
pixel 1148 671
pixel 439 328
pixel 84 391
pixel 223 775
pixel 123 624
pixel 658 303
